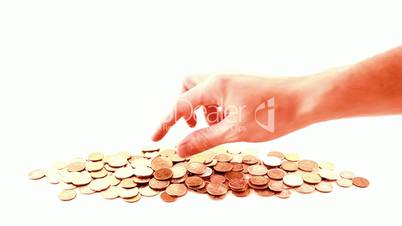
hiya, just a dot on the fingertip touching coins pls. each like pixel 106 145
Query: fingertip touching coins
pixel 161 172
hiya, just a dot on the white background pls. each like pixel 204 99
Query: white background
pixel 83 76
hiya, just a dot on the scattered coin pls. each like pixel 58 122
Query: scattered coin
pixel 110 193
pixel 284 194
pixel 67 195
pixel 307 165
pixel 196 168
pixel 326 165
pixel 99 184
pixel 148 191
pixel 95 156
pixel 216 189
pixel 167 198
pixel 347 174
pixel 305 189
pixel 127 192
pixel 324 187
pixel 289 166
pixel 360 182
pixel 291 156
pixel 176 190
pixel 343 182
pixel 276 174
pixel 163 174
pixel 272 161
pixel 277 154
pixel 293 180
pixel 311 178
pixel 36 174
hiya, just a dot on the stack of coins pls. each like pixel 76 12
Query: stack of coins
pixel 214 172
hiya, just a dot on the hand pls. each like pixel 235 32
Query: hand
pixel 235 107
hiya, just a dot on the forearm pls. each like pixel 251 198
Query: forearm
pixel 371 87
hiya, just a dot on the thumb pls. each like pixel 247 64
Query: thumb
pixel 206 138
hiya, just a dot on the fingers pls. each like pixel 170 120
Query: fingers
pixel 189 83
pixel 184 107
pixel 205 138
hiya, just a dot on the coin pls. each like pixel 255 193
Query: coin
pixel 176 190
pixel 307 165
pixel 236 184
pixel 53 176
pixel 81 178
pixel 258 180
pixel 150 148
pixel 347 174
pixel 143 171
pixel 148 191
pixel 161 162
pixel 326 165
pixel 241 193
pixel 133 199
pixel 216 189
pixel 117 161
pixel 276 174
pixel 178 171
pixel 289 166
pixel 208 172
pixel 264 192
pixel 311 178
pixel 193 181
pixel 124 172
pixel 110 193
pixel 276 154
pixel 167 198
pixel 36 174
pixel 95 156
pixel 360 182
pixel 196 167
pixel 272 161
pixel 67 195
pixel 99 174
pixel 233 175
pixel 293 180
pixel 284 194
pixel 237 167
pixel 250 159
pixel 291 156
pixel 324 187
pixel 76 166
pixel 343 182
pixel 166 152
pixel 85 190
pixel 216 178
pixel 99 184
pixel 94 166
pixel 328 174
pixel 305 189
pixel 127 192
pixel 276 186
pixel 257 170
pixel 158 184
pixel 163 174
pixel 223 157
pixel 223 167
pixel 128 183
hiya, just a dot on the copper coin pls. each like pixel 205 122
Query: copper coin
pixel 264 192
pixel 242 193
pixel 216 178
pixel 360 182
pixel 276 154
pixel 258 180
pixel 284 194
pixel 167 198
pixel 233 175
pixel 237 184
pixel 237 167
pixel 311 178
pixel 305 189
pixel 161 162
pixel 196 167
pixel 163 174
pixel 250 159
pixel 324 187
pixel 343 182
pixel 176 190
pixel 277 186
pixel 216 189
pixel 307 165
pixel 223 167
pixel 194 181
pixel 289 166
pixel 276 174
pixel 158 184
pixel 223 158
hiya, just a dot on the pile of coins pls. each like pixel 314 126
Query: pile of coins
pixel 214 172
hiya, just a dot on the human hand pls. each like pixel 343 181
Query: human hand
pixel 235 107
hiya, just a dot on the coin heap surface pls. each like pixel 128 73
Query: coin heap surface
pixel 216 172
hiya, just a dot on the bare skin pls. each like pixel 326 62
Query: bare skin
pixel 369 88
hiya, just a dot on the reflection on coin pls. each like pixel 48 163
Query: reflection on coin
pixel 127 192
pixel 311 178
pixel 99 184
pixel 307 165
pixel 291 156
pixel 324 187
pixel 216 189
pixel 326 165
pixel 343 182
pixel 257 170
pixel 276 174
pixel 148 192
pixel 305 189
pixel 276 154
pixel 293 180
pixel 178 171
pixel 196 168
pixel 272 161
pixel 347 174
pixel 176 190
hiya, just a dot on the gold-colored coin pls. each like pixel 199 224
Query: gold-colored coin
pixel 166 152
pixel 85 190
pixel 133 199
pixel 94 166
pixel 324 187
pixel 289 166
pixel 53 176
pixel 76 166
pixel 117 161
pixel 36 174
pixel 272 161
pixel 176 190
pixel 148 191
pixel 95 156
pixel 307 165
pixel 328 174
pixel 347 174
pixel 311 178
pixel 110 193
pixel 326 165
pixel 143 171
pixel 178 171
pixel 99 174
pixel 293 180
pixel 140 162
pixel 161 162
pixel 292 156
pixel 128 183
pixel 277 154
pixel 67 195
pixel 81 178
pixel 196 167
pixel 99 184
pixel 343 182
pixel 124 172
pixel 305 189
pixel 257 170
pixel 128 192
